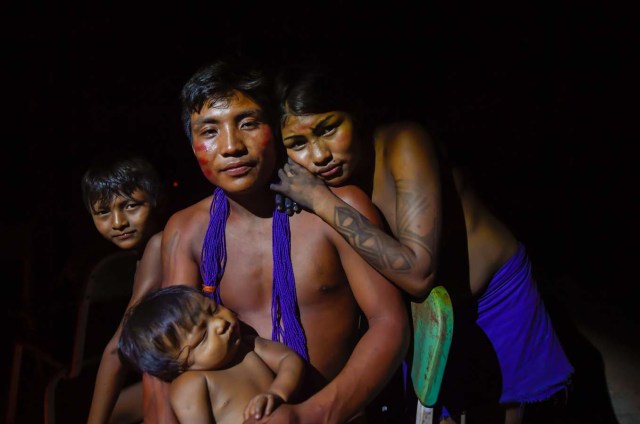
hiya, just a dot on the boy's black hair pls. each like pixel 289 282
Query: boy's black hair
pixel 121 175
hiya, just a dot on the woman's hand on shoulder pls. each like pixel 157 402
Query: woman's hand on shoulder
pixel 298 188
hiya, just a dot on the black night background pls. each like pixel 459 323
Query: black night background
pixel 534 98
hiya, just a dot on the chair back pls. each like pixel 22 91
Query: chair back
pixel 104 300
pixel 433 331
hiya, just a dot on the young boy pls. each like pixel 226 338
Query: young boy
pixel 125 197
pixel 218 374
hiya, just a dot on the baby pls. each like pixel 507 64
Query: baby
pixel 217 375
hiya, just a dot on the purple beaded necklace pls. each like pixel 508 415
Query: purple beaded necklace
pixel 285 315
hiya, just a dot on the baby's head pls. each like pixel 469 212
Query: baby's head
pixel 175 329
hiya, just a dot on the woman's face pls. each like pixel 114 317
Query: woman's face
pixel 323 143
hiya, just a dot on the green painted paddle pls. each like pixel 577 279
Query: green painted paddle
pixel 433 330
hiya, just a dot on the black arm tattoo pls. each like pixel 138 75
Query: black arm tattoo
pixel 410 205
pixel 366 239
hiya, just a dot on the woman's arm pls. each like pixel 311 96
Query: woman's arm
pixel 406 190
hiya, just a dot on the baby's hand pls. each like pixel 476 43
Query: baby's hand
pixel 262 405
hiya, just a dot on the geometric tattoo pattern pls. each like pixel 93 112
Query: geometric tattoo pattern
pixel 362 235
pixel 365 237
pixel 410 206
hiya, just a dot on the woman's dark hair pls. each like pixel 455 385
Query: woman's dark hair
pixel 312 88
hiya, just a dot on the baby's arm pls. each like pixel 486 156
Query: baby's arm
pixel 189 397
pixel 288 367
pixel 262 405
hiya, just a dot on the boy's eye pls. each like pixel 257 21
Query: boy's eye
pixel 133 205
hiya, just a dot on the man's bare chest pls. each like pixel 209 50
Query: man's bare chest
pixel 251 261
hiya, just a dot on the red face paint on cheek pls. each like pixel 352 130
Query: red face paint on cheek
pixel 199 148
pixel 202 161
pixel 206 172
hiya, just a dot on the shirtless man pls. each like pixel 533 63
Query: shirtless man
pixel 354 323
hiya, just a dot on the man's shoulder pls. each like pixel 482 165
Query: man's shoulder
pixel 200 208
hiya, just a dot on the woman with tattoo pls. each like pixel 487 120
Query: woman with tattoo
pixel 439 233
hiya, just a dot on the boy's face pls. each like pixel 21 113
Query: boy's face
pixel 323 143
pixel 123 221
pixel 233 143
pixel 213 341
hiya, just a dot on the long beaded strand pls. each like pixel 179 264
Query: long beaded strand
pixel 285 314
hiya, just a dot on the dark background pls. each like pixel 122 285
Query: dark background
pixel 535 99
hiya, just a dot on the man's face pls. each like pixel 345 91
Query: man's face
pixel 233 143
pixel 123 221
